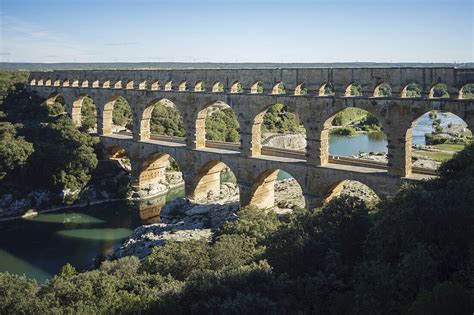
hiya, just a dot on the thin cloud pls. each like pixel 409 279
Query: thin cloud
pixel 122 44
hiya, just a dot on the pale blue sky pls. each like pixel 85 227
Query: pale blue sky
pixel 236 31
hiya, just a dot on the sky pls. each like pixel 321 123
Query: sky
pixel 236 31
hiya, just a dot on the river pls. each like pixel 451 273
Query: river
pixel 38 247
pixel 377 141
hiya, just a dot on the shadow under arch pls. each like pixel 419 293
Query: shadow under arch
pixel 221 116
pixel 261 123
pixel 350 187
pixel 207 185
pixel 263 190
pixel 434 137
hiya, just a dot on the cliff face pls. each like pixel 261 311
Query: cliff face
pixel 290 141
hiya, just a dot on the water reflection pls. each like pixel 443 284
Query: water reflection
pixel 150 210
pixel 72 217
pixel 105 234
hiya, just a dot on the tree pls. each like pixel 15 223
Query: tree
pixel 14 150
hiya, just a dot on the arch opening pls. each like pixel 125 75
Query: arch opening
pixel 217 123
pixel 155 85
pixel 277 190
pixel 57 83
pixel 215 181
pixel 84 113
pixel 199 86
pixel 130 85
pixel 353 134
pixel 353 89
pixel 301 89
pixel 65 82
pixel 106 84
pixel 162 118
pixel 351 188
pixel 257 87
pixel 383 90
pixel 182 86
pixel 327 89
pixel 236 87
pixel 278 131
pixel 279 88
pixel 118 85
pixel 217 87
pixel 433 138
pixel 85 83
pixel 169 86
pixel 439 90
pixel 160 174
pixel 56 104
pixel 142 85
pixel 47 82
pixel 467 91
pixel 95 84
pixel 117 116
pixel 411 90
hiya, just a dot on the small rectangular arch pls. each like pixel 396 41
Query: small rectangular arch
pixel 106 84
pixel 85 83
pixel 129 85
pixel 48 82
pixel 118 85
pixel 95 84
pixel 75 83
pixel 57 83
pixel 142 85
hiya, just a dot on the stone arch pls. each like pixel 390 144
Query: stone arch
pixel 130 85
pixel 439 90
pixel 85 83
pixel 328 124
pixel 278 88
pixel 411 90
pixel 106 84
pixel 236 87
pixel 263 190
pixel 257 87
pixel 55 97
pixel 142 85
pixel 107 115
pixel 466 91
pixel 47 82
pixel 33 82
pixel 258 123
pixel 169 85
pixel 145 122
pixel 448 133
pixel 77 107
pixel 154 174
pixel 343 187
pixel 326 89
pixel 155 85
pixel 199 86
pixel 118 84
pixel 40 82
pixel 301 89
pixel 383 90
pixel 200 124
pixel 57 83
pixel 65 83
pixel 182 86
pixel 353 89
pixel 95 84
pixel 217 87
pixel 207 182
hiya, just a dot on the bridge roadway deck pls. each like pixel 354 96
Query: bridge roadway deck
pixel 220 151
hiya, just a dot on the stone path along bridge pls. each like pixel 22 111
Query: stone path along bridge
pixel 250 92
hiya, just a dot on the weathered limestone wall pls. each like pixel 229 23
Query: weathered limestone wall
pixel 140 88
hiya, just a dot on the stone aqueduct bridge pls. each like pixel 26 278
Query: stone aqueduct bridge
pixel 194 90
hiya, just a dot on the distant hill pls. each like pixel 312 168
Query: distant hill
pixel 207 65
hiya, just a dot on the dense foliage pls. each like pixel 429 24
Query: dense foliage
pixel 279 119
pixel 166 120
pixel 37 138
pixel 410 254
pixel 222 125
